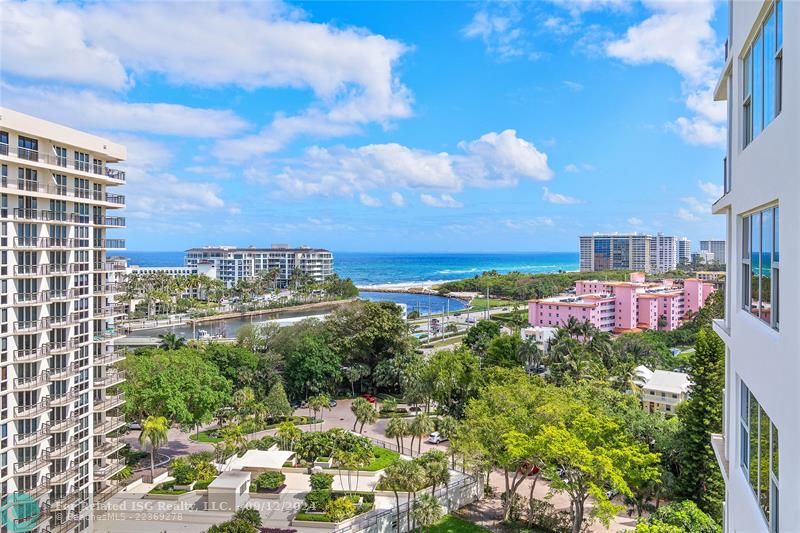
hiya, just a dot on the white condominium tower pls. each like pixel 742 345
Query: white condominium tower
pixel 60 405
pixel 632 251
pixel 715 247
pixel 759 448
pixel 232 264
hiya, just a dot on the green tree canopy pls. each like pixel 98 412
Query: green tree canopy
pixel 480 335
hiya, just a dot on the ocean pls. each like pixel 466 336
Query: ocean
pixel 402 268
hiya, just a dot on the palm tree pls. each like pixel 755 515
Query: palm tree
pixel 364 413
pixel 154 435
pixel 243 400
pixel 318 404
pixel 572 327
pixel 170 341
pixel 288 433
pixel 397 429
pixel 427 511
pixel 602 346
pixel 587 330
pixel 395 479
pixel 434 463
pixel 421 426
pixel 529 354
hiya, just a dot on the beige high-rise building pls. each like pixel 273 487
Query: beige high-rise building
pixel 59 395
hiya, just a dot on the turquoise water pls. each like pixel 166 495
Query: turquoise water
pixel 387 268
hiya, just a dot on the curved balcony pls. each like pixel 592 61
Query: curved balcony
pixel 109 358
pixel 110 244
pixel 26 468
pixel 109 222
pixel 54 242
pixel 112 377
pixel 116 199
pixel 59 321
pixel 62 425
pixel 31 271
pixel 109 447
pixel 31 355
pixel 108 288
pixel 60 348
pixel 29 298
pixel 61 450
pixel 109 402
pixel 96 167
pixel 24 440
pixel 43 215
pixel 62 399
pixel 32 410
pixel 109 266
pixel 32 326
pixel 64 372
pixel 109 311
pixel 31 383
pixel 112 466
pixel 110 424
pixel 63 476
pixel 62 502
pixel 61 295
pixel 32 243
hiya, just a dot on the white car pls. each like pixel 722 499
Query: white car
pixel 436 438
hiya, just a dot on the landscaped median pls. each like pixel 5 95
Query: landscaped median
pixel 248 427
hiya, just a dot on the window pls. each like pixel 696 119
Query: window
pixel 762 75
pixel 760 266
pixel 28 148
pixel 759 454
pixel 61 156
pixel 4 142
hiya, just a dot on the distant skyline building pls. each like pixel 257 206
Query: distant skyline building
pixel 684 251
pixel 715 247
pixel 232 264
pixel 623 306
pixel 632 251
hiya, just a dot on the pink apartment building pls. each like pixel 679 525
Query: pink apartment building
pixel 623 306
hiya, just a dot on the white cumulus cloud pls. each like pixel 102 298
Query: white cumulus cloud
pixel 443 200
pixel 369 201
pixel 558 198
pixel 398 200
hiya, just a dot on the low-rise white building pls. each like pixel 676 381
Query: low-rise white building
pixel 663 390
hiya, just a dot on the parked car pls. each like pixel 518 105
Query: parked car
pixel 526 469
pixel 470 320
pixel 333 403
pixel 436 438
pixel 135 425
pixel 369 397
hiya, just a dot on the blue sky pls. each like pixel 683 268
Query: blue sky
pixel 388 126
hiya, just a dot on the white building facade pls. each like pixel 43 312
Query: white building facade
pixel 59 393
pixel 232 264
pixel 760 203
pixel 715 247
pixel 632 251
pixel 684 251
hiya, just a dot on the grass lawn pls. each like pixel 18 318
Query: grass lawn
pixel 454 524
pixel 203 436
pixel 479 304
pixel 383 458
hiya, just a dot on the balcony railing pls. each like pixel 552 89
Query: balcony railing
pixel 50 216
pixel 31 383
pixel 63 501
pixel 95 167
pixel 63 424
pixel 31 271
pixel 111 423
pixel 109 267
pixel 109 447
pixel 31 354
pixel 110 244
pixel 32 297
pixel 108 288
pixel 33 410
pixel 63 190
pixel 63 476
pixel 61 399
pixel 61 450
pixel 61 347
pixel 30 242
pixel 109 358
pixel 111 467
pixel 117 222
pixel 62 294
pixel 65 372
pixel 30 466
pixel 31 326
pixel 31 438
pixel 110 402
pixel 112 377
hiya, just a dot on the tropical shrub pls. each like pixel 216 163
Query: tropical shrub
pixel 269 480
pixel 321 481
pixel 340 509
pixel 317 500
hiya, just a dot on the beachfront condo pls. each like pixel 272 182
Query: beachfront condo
pixel 232 264
pixel 624 306
pixel 632 251
pixel 759 203
pixel 715 247
pixel 59 395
